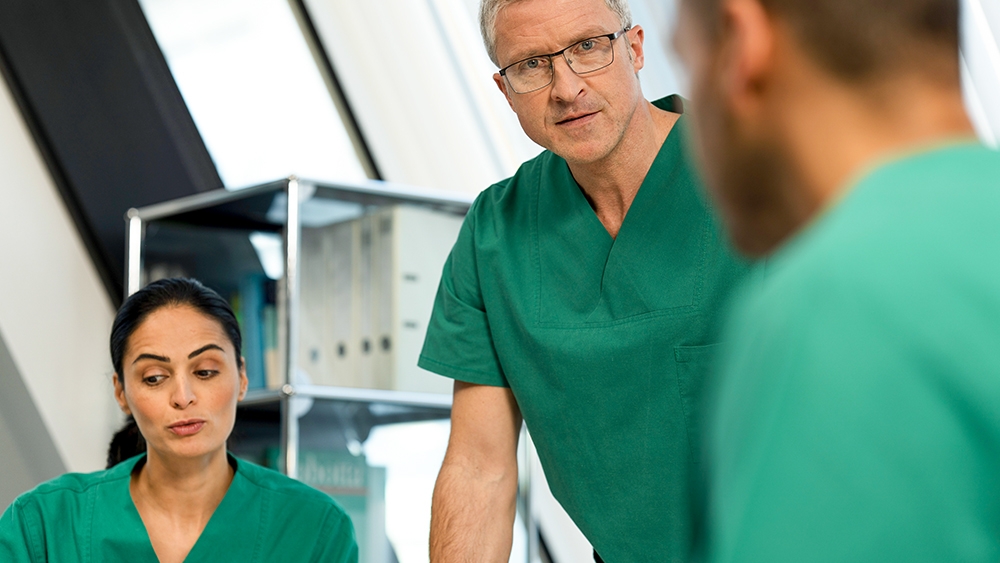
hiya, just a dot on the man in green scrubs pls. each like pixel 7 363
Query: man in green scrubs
pixel 595 325
pixel 857 417
pixel 264 517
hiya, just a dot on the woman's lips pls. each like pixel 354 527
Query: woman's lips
pixel 186 427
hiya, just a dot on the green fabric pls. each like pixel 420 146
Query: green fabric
pixel 264 517
pixel 603 342
pixel 858 412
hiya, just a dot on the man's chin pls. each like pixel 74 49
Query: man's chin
pixel 582 152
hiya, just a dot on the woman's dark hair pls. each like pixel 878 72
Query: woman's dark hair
pixel 171 292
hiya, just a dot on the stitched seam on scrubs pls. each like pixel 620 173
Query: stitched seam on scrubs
pixel 36 546
pixel 89 528
pixel 425 359
pixel 536 244
pixel 706 235
pixel 679 311
pixel 264 509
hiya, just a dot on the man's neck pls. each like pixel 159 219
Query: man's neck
pixel 611 183
pixel 856 129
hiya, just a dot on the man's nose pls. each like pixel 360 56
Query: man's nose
pixel 566 84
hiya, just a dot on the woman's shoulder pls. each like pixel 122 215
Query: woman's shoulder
pixel 284 488
pixel 71 485
pixel 299 509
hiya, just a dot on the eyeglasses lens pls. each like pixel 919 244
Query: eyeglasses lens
pixel 583 57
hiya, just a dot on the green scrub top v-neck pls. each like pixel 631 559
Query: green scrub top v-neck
pixel 604 342
pixel 858 412
pixel 264 517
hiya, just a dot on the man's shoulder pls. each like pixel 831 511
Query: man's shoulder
pixel 509 201
pixel 522 183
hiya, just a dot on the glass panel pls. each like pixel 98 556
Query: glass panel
pixel 378 460
pixel 981 66
pixel 253 89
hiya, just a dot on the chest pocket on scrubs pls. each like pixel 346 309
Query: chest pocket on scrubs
pixel 694 366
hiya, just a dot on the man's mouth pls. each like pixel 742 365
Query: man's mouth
pixel 575 118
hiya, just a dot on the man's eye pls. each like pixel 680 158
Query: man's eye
pixel 532 64
pixel 587 45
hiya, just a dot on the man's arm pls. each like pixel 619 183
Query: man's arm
pixel 472 514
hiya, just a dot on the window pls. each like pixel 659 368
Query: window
pixel 254 90
pixel 981 66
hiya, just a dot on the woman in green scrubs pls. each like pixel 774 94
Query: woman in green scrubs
pixel 175 349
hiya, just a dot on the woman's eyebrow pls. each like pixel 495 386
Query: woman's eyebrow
pixel 204 349
pixel 163 359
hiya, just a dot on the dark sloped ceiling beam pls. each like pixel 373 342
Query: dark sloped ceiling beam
pixel 108 118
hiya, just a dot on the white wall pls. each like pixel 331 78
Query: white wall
pixel 54 312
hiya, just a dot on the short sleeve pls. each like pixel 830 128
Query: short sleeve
pixel 459 343
pixel 340 545
pixel 834 438
pixel 15 536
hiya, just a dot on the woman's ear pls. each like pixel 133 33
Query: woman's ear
pixel 244 382
pixel 120 395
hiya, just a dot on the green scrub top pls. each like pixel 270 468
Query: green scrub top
pixel 604 342
pixel 858 413
pixel 264 517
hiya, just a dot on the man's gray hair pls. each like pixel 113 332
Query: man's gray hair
pixel 490 9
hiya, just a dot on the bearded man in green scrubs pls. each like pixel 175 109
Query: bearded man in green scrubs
pixel 582 294
pixel 857 417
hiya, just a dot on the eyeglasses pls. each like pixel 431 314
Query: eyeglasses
pixel 535 73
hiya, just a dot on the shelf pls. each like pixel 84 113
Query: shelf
pixel 268 396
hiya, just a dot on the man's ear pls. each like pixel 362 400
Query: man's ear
pixel 635 38
pixel 501 83
pixel 120 395
pixel 749 50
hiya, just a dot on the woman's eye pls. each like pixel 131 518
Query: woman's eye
pixel 153 379
pixel 206 373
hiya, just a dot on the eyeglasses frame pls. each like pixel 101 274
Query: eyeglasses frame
pixel 550 56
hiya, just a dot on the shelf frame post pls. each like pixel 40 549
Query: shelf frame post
pixel 290 321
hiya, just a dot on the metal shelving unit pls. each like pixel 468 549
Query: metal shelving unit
pixel 206 236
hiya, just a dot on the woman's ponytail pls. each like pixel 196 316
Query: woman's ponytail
pixel 126 443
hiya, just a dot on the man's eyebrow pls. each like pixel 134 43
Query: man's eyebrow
pixel 163 359
pixel 205 348
pixel 583 36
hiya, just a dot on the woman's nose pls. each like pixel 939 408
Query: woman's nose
pixel 183 394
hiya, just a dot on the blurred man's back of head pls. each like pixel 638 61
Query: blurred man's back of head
pixel 795 97
pixel 861 40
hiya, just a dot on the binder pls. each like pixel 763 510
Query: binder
pixel 342 350
pixel 312 311
pixel 364 336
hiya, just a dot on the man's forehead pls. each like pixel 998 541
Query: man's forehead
pixel 531 27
